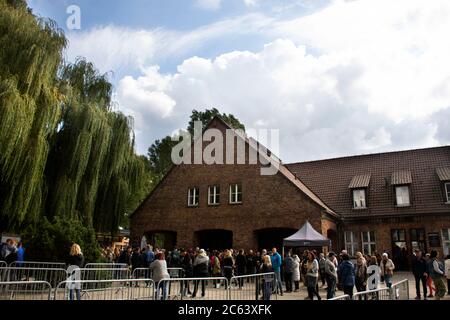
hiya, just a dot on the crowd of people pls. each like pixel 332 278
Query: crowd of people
pixel 12 251
pixel 333 271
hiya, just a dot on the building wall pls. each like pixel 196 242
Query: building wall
pixel 267 202
pixel 383 228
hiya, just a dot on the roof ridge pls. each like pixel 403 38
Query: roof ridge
pixel 369 154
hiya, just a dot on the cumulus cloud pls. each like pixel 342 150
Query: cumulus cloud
pixel 355 77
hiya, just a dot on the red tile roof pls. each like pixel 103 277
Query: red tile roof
pixel 330 180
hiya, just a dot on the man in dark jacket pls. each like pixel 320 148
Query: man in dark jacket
pixel 419 269
pixel 241 265
pixel 288 271
pixel 346 275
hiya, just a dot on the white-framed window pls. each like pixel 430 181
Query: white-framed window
pixel 351 244
pixel 402 196
pixel 213 195
pixel 368 242
pixel 447 191
pixel 446 241
pixel 359 198
pixel 193 197
pixel 235 193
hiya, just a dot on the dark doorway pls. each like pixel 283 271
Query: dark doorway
pixel 399 249
pixel 273 237
pixel 214 239
pixel 332 235
pixel 162 239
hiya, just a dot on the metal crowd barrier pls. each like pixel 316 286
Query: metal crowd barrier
pixel 185 288
pixel 51 275
pixel 38 265
pixel 400 290
pixel 3 264
pixel 106 265
pixel 145 273
pixel 104 274
pixel 343 297
pixel 25 290
pixel 118 289
pixel 251 287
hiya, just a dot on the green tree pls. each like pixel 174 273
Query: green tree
pixel 160 151
pixel 68 167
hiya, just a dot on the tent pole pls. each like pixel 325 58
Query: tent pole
pixel 282 252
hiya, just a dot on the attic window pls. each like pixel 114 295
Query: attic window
pixel 402 196
pixel 359 199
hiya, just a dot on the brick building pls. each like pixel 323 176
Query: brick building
pixel 393 201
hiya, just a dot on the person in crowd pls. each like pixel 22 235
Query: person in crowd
pixel 150 254
pixel 20 254
pixel 266 267
pixel 228 265
pixel 447 272
pixel 331 275
pixel 201 264
pixel 135 259
pixel 322 261
pixel 188 270
pixel 116 254
pixel 9 251
pixel 216 268
pixel 387 269
pixel 125 256
pixel 312 275
pixel 346 275
pixel 251 263
pixel 143 258
pixel 437 273
pixel 419 270
pixel 75 261
pixel 258 261
pixel 303 266
pixel 158 269
pixel 430 284
pixel 276 265
pixel 288 271
pixel 241 264
pixel 296 272
pixel 360 273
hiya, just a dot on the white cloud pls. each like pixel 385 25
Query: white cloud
pixel 355 77
pixel 252 3
pixel 314 101
pixel 209 4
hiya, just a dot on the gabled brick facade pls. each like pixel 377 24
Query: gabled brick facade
pixel 272 206
pixel 276 206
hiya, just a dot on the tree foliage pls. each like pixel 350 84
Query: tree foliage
pixel 67 161
pixel 159 153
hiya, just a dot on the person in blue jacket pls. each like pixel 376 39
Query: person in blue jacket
pixel 276 265
pixel 346 275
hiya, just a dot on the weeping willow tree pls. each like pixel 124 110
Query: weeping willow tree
pixel 67 161
pixel 30 54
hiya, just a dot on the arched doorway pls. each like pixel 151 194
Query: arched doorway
pixel 272 237
pixel 162 239
pixel 216 239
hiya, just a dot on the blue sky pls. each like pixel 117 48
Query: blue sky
pixel 336 77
